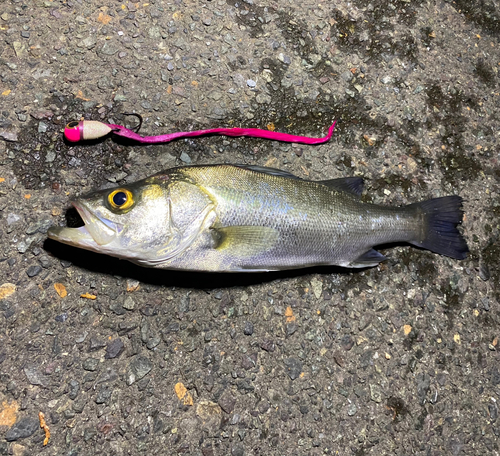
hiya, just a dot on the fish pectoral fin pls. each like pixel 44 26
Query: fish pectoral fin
pixel 245 241
pixel 368 259
pixel 352 185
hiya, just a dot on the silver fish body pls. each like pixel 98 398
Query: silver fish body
pixel 236 218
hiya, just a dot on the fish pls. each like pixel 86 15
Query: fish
pixel 248 218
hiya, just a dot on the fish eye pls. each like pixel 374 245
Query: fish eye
pixel 121 199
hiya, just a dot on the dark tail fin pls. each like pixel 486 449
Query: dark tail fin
pixel 442 215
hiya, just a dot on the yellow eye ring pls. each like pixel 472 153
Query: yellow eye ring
pixel 121 198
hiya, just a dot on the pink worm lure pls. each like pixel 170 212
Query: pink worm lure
pixel 92 129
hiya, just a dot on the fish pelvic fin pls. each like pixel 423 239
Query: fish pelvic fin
pixel 440 233
pixel 367 260
pixel 245 241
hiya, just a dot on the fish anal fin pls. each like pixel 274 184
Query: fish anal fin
pixel 368 259
pixel 351 185
pixel 245 241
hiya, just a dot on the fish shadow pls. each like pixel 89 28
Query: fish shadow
pixel 104 264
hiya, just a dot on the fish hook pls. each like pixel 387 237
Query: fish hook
pixel 138 127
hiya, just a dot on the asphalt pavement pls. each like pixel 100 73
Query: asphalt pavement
pixel 400 359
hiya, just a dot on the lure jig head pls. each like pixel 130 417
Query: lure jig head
pixel 93 129
pixel 86 130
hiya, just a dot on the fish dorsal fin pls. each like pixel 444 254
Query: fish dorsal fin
pixel 367 259
pixel 270 171
pixel 245 241
pixel 352 185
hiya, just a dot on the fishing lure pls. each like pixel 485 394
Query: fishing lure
pixel 92 129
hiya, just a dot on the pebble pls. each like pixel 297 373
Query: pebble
pixel 352 409
pixel 227 402
pixel 96 344
pixel 346 75
pixel 293 368
pixel 317 287
pixel 34 376
pixel 249 361
pixel 114 349
pixel 493 410
pixel 74 389
pixel 88 42
pixel 484 271
pixel 423 385
pixel 129 303
pixel 109 48
pixel 185 158
pixel 237 450
pixel 210 414
pixel 19 49
pixel 23 246
pixel 245 386
pixel 290 328
pixel 284 58
pixel 12 218
pixel 268 345
pixel 90 364
pixel 263 98
pixel 79 339
pixel 347 342
pixel 138 368
pixel 25 427
pixel 248 330
pixel 50 157
pixel 104 394
pixel 40 226
pixel 215 95
pixel 9 135
pixel 251 83
pixel 183 305
pixel 107 376
pixel 375 393
pixel 61 318
pixel 364 321
pixel 89 434
pixel 42 127
pixel 42 114
pixel 34 270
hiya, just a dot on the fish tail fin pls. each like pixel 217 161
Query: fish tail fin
pixel 440 233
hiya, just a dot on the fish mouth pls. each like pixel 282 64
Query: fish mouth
pixel 96 232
